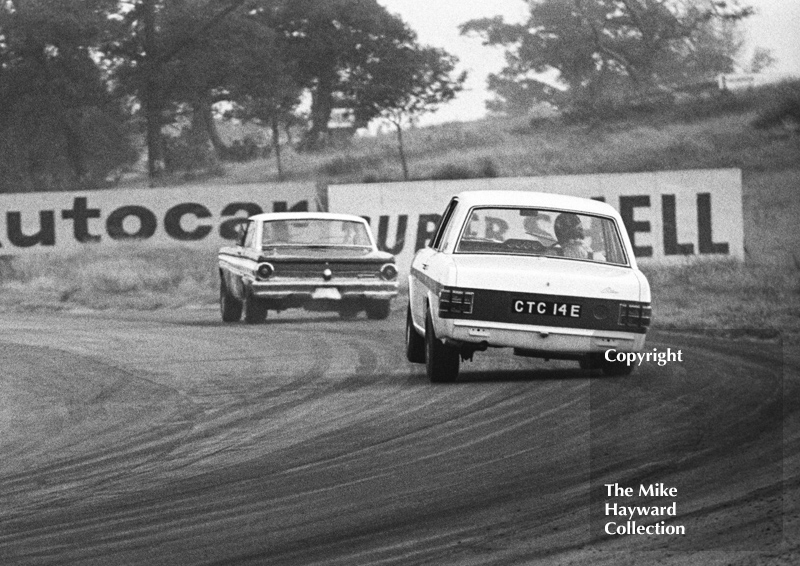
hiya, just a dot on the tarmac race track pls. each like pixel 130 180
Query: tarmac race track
pixel 170 438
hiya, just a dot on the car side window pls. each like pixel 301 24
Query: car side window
pixel 450 232
pixel 249 235
pixel 438 238
pixel 241 232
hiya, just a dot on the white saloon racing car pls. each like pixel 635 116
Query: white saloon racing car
pixel 311 260
pixel 550 276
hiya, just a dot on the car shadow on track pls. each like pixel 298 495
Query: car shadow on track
pixel 269 322
pixel 520 375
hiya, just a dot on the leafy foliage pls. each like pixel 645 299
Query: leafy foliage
pixel 354 54
pixel 77 76
pixel 576 52
pixel 411 81
pixel 60 127
pixel 200 55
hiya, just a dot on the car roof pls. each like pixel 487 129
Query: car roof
pixel 306 216
pixel 535 199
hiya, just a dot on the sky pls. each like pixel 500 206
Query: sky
pixel 775 26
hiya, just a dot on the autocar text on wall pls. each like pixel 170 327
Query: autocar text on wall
pixel 198 216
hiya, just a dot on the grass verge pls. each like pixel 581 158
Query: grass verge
pixel 118 278
pixel 757 300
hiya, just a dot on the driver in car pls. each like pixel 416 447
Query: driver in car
pixel 570 236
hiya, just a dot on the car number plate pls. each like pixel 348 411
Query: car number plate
pixel 545 308
pixel 326 293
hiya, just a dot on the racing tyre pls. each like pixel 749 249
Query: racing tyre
pixel 415 344
pixel 441 360
pixel 255 310
pixel 378 310
pixel 229 306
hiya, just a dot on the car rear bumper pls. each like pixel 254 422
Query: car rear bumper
pixel 311 289
pixel 541 339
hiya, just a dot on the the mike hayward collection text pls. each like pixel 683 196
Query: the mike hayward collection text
pixel 650 516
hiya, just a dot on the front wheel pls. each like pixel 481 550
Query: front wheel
pixel 229 306
pixel 415 344
pixel 255 310
pixel 441 359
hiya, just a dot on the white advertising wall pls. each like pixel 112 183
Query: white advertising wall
pixel 669 215
pixel 202 216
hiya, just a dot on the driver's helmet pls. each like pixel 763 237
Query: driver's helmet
pixel 568 227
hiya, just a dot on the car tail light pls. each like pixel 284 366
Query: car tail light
pixel 265 270
pixel 389 272
pixel 456 301
pixel 635 314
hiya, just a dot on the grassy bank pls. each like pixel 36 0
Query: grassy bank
pixel 712 133
pixel 125 278
pixel 512 147
pixel 757 300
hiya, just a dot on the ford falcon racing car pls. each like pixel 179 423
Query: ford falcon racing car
pixel 315 261
pixel 550 276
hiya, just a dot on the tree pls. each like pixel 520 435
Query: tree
pixel 410 82
pixel 333 43
pixel 271 103
pixel 237 61
pixel 604 48
pixel 60 127
pixel 762 60
pixel 175 54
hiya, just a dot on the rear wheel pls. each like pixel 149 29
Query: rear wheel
pixel 229 306
pixel 255 310
pixel 415 344
pixel 378 310
pixel 441 359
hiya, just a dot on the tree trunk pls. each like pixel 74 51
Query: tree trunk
pixel 151 95
pixel 321 108
pixel 276 145
pixel 203 120
pixel 74 145
pixel 155 154
pixel 401 149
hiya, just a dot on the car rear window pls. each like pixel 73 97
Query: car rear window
pixel 314 232
pixel 544 232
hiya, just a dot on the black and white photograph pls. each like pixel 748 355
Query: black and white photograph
pixel 396 282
